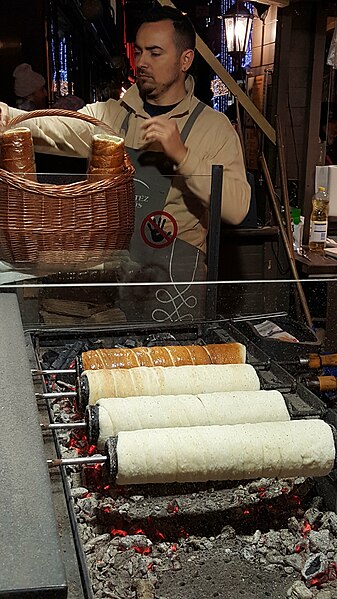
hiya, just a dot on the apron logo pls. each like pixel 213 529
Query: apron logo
pixel 159 229
pixel 141 198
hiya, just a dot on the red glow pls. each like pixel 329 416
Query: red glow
pixel 150 566
pixel 115 532
pixel 139 531
pixel 183 533
pixel 262 492
pixel 174 547
pixel 173 507
pixel 329 574
pixel 306 528
pixel 92 449
pixel 246 512
pixel 159 535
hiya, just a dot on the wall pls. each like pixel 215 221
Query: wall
pixel 22 39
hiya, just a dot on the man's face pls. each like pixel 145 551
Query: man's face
pixel 160 67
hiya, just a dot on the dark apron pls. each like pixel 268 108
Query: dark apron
pixel 157 254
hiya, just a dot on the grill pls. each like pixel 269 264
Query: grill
pixel 88 538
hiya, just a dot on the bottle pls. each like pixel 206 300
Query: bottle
pixel 319 220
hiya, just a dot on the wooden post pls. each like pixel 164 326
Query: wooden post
pixel 233 87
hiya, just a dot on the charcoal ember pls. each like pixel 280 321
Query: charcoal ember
pixel 295 561
pixel 136 541
pixel 161 339
pixel 66 357
pixel 131 343
pixel 48 358
pixel 329 521
pixel 299 591
pixel 88 506
pixel 249 554
pixel 228 532
pixel 176 565
pixel 145 589
pixel 294 525
pixel 319 541
pixel 287 538
pixel 98 543
pixel 315 566
pixel 313 516
pixel 268 526
pixel 79 492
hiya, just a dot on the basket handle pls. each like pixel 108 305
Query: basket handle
pixel 59 112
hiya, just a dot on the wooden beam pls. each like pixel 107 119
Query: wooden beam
pixel 279 3
pixel 233 87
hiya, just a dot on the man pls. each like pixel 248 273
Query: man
pixel 173 141
pixel 29 87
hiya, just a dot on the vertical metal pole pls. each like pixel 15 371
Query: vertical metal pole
pixel 213 244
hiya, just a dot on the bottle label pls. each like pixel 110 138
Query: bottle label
pixel 318 232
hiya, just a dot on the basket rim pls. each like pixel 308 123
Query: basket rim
pixel 73 189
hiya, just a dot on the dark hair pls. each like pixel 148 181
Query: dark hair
pixel 184 30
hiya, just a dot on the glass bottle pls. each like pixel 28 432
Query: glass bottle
pixel 319 220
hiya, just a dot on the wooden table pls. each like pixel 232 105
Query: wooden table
pixel 319 266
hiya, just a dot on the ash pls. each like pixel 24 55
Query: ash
pixel 255 539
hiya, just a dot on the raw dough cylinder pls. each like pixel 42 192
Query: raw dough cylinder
pixel 237 452
pixel 173 380
pixel 167 411
pixel 174 355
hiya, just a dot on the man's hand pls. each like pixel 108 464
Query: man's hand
pixel 4 115
pixel 165 131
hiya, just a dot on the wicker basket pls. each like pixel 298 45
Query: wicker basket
pixel 79 223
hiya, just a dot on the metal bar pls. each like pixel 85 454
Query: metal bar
pixel 81 558
pixel 56 395
pixel 63 425
pixel 285 240
pixel 37 372
pixel 98 459
pixel 213 244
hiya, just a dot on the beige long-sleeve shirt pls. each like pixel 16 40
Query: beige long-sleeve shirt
pixel 212 140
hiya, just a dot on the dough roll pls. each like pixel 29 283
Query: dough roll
pixel 181 355
pixel 242 451
pixel 167 411
pixel 174 380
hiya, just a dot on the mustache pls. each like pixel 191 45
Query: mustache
pixel 140 72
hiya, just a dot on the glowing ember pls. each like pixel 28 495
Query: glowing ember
pixel 262 492
pixel 115 532
pixel 306 528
